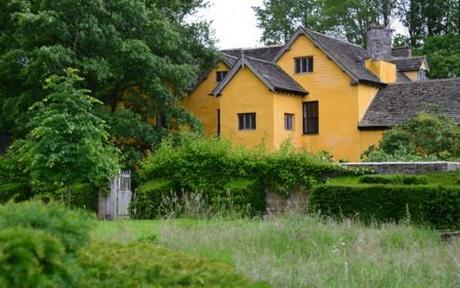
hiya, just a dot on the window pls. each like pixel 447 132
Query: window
pixel 218 122
pixel 304 64
pixel 247 121
pixel 160 121
pixel 310 118
pixel 421 75
pixel 288 121
pixel 220 75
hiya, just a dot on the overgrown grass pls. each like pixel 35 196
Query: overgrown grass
pixel 306 251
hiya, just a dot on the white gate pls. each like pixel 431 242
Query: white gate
pixel 116 203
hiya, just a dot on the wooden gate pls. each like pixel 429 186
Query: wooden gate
pixel 115 204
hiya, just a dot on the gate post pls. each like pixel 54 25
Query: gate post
pixel 115 204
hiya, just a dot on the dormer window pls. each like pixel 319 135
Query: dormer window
pixel 220 75
pixel 421 75
pixel 304 64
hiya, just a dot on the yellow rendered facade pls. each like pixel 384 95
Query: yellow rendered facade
pixel 342 104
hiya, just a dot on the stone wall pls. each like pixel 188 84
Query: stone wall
pixel 278 204
pixel 406 167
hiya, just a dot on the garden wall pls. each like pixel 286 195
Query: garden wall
pixel 406 167
pixel 278 204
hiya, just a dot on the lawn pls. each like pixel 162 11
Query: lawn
pixel 306 251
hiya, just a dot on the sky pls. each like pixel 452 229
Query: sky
pixel 235 24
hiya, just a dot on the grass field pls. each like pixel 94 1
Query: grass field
pixel 305 251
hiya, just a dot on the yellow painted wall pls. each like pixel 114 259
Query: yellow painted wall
pixel 413 75
pixel 292 104
pixel 203 105
pixel 247 94
pixel 369 138
pixel 338 102
pixel 385 71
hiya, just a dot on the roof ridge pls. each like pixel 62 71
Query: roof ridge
pixel 260 60
pixel 231 56
pixel 425 81
pixel 407 58
pixel 333 38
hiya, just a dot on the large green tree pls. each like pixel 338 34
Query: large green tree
pixel 141 53
pixel 349 19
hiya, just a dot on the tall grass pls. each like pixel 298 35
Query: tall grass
pixel 299 251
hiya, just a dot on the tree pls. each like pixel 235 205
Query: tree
pixel 424 137
pixel 68 143
pixel 349 19
pixel 139 56
pixel 443 54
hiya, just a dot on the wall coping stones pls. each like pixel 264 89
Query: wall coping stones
pixel 406 167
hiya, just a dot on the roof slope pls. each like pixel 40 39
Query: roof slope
pixel 270 73
pixel 264 53
pixel 399 102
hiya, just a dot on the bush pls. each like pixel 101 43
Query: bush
pixel 437 206
pixel 206 166
pixel 393 179
pixel 82 196
pixel 146 265
pixel 149 197
pixel 244 196
pixel 70 227
pixel 32 258
pixel 16 191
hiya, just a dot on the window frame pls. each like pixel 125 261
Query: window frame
pixel 289 121
pixel 222 74
pixel 421 75
pixel 309 65
pixel 247 121
pixel 306 119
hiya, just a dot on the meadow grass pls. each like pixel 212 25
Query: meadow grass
pixel 297 251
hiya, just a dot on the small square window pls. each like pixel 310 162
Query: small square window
pixel 288 121
pixel 247 121
pixel 220 75
pixel 304 64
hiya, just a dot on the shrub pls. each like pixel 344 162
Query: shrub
pixel 393 179
pixel 146 265
pixel 32 258
pixel 82 196
pixel 16 191
pixel 149 197
pixel 244 196
pixel 438 206
pixel 70 227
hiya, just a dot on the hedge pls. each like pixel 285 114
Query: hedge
pixel 238 196
pixel 437 206
pixel 393 179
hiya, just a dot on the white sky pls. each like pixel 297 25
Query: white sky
pixel 235 25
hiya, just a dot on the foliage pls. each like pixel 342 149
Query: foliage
pixel 149 197
pixel 32 258
pixel 71 228
pixel 212 167
pixel 67 143
pixel 443 54
pixel 423 137
pixel 348 19
pixel 140 56
pixel 438 206
pixel 144 264
pixel 394 179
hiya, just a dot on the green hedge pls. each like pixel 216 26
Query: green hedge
pixel 393 179
pixel 437 206
pixel 17 191
pixel 159 197
pixel 148 198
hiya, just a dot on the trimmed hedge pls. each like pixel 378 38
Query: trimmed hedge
pixel 394 179
pixel 437 206
pixel 146 204
pixel 241 196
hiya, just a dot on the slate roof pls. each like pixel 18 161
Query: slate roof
pixel 408 64
pixel 401 52
pixel 270 73
pixel 401 77
pixel 398 102
pixel 264 53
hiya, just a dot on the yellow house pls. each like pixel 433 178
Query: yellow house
pixel 316 91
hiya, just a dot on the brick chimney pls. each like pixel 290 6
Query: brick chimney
pixel 379 42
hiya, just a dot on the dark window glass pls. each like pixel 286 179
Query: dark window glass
pixel 288 121
pixel 304 64
pixel 247 121
pixel 220 75
pixel 310 118
pixel 218 122
pixel 161 121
